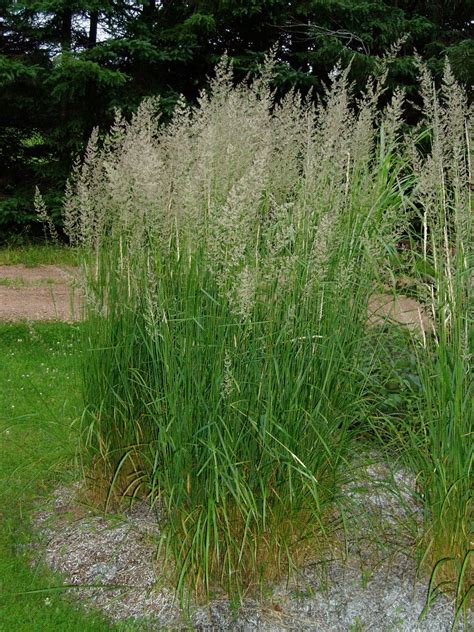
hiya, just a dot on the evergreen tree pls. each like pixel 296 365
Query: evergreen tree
pixel 66 64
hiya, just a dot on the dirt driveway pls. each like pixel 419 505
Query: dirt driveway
pixel 47 292
pixel 42 293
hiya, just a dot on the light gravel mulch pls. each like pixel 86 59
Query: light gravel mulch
pixel 111 561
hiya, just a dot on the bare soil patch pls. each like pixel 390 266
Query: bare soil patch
pixel 46 292
pixel 400 309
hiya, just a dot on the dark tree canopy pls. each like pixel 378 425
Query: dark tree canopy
pixel 65 65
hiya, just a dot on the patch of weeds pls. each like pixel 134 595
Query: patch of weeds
pixel 397 623
pixel 19 283
pixel 303 593
pixel 12 283
pixel 357 625
pixel 395 385
pixel 365 575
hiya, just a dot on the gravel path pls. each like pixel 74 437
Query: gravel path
pixel 42 293
pixel 47 293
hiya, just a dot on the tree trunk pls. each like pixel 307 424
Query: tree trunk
pixel 93 23
pixel 149 9
pixel 66 30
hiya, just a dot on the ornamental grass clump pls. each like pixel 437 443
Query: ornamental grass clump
pixel 437 444
pixel 231 257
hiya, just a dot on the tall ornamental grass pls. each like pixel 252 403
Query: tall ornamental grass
pixel 437 444
pixel 232 255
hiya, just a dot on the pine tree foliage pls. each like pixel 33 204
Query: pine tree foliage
pixel 65 65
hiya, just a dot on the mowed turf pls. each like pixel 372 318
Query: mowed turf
pixel 39 399
pixel 32 255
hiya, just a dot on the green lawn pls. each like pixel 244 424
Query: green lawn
pixel 39 398
pixel 34 255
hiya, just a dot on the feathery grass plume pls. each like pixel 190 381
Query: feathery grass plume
pixel 44 216
pixel 234 254
pixel 438 445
